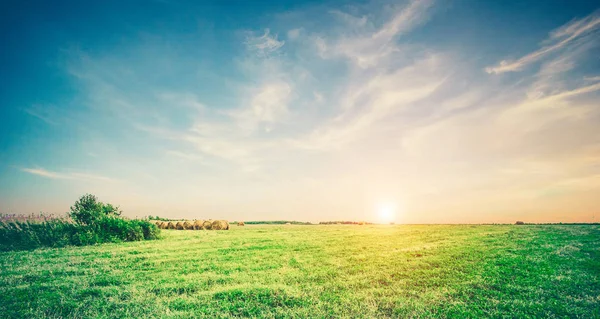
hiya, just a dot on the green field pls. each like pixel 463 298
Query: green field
pixel 464 271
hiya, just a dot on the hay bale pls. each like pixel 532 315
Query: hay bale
pixel 220 225
pixel 162 225
pixel 179 226
pixel 207 224
pixel 198 225
pixel 288 223
pixel 170 225
pixel 188 226
pixel 241 224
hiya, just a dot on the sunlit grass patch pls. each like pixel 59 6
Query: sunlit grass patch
pixel 315 271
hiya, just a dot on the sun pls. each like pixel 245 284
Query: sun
pixel 386 212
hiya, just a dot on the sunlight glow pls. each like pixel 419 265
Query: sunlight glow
pixel 386 213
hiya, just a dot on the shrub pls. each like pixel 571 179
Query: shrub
pixel 87 209
pixel 150 231
pixel 19 235
pixel 95 223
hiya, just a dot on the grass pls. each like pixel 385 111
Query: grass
pixel 465 271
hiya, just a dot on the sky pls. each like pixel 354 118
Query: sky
pixel 459 111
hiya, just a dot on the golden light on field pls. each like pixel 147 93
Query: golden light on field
pixel 386 212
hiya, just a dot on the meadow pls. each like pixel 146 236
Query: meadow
pixel 319 271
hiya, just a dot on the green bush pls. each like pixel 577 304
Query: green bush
pixel 95 223
pixel 88 210
pixel 18 235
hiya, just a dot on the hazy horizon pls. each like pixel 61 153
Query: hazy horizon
pixel 405 111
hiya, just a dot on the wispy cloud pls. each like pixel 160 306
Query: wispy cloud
pixel 47 113
pixel 264 45
pixel 67 175
pixel 380 96
pixel 185 155
pixel 44 173
pixel 268 104
pixel 294 33
pixel 559 39
pixel 368 47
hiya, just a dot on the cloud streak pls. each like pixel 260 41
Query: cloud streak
pixel 67 175
pixel 264 45
pixel 559 39
pixel 370 47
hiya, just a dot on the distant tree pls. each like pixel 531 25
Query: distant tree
pixel 88 209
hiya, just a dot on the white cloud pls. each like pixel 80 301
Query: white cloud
pixel 375 97
pixel 176 99
pixel 66 175
pixel 350 20
pixel 270 103
pixel 293 34
pixel 264 45
pixel 47 113
pixel 370 47
pixel 184 155
pixel 559 39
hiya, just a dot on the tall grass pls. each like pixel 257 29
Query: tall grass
pixel 33 217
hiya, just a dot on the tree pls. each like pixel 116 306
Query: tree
pixel 88 209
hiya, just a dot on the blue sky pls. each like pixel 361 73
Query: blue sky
pixel 446 111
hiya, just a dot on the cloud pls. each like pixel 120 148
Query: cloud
pixel 367 48
pixel 47 113
pixel 184 155
pixel 294 33
pixel 269 104
pixel 188 100
pixel 559 39
pixel 377 98
pixel 350 20
pixel 44 173
pixel 69 175
pixel 265 45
